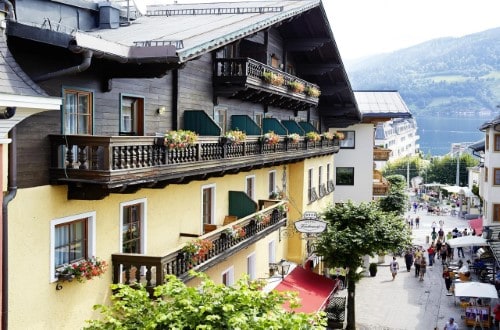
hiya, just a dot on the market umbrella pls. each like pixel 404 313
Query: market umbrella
pixel 468 240
pixel 477 224
pixel 475 289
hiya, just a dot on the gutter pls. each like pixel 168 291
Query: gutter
pixel 11 194
pixel 87 60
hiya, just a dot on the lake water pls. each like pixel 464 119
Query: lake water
pixel 438 133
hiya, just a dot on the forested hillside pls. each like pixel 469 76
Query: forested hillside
pixel 447 76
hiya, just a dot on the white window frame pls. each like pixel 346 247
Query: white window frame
pixel 144 222
pixel 252 266
pixel 91 238
pixel 271 251
pixel 214 203
pixel 252 179
pixel 272 174
pixel 230 276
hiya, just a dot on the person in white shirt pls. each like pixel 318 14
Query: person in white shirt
pixel 394 266
pixel 451 325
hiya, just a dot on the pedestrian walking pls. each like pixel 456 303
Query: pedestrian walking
pixel 431 252
pixel 423 268
pixel 451 325
pixel 439 245
pixel 441 234
pixel 460 252
pixel 417 265
pixel 447 280
pixel 394 266
pixel 444 253
pixel 434 235
pixel 408 259
pixel 417 221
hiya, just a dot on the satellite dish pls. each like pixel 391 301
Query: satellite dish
pixel 140 6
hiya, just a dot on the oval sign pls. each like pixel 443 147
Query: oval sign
pixel 310 226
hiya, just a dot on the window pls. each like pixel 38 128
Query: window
pixel 250 186
pixel 345 176
pixel 272 184
pixel 328 172
pixel 77 112
pixel 485 174
pixel 228 277
pixel 220 117
pixel 496 212
pixel 496 176
pixel 320 179
pixel 132 215
pixel 309 184
pixel 131 115
pixel 271 251
pixel 251 271
pixel 72 240
pixel 208 204
pixel 349 141
pixel 487 142
pixel 497 142
pixel 258 117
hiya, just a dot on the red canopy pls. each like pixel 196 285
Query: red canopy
pixel 313 289
pixel 477 224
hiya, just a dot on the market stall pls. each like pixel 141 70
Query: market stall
pixel 475 298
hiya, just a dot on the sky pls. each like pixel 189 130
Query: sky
pixel 369 27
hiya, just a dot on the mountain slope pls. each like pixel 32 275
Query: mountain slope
pixel 446 76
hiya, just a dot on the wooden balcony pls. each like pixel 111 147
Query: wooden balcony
pixel 243 78
pixel 150 270
pixel 95 166
pixel 380 184
pixel 381 154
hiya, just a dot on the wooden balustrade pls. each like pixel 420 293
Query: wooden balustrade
pixel 150 270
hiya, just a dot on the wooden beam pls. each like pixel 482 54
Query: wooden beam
pixel 305 45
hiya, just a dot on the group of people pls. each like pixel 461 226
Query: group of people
pixel 415 257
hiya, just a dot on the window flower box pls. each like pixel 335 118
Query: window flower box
pixel 312 91
pixel 313 137
pixel 296 87
pixel 180 139
pixel 270 138
pixel 293 138
pixel 198 249
pixel 273 78
pixel 83 270
pixel 233 136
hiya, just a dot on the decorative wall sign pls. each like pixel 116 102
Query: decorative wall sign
pixel 310 226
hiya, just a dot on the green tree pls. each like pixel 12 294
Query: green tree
pixel 412 166
pixel 354 231
pixel 208 306
pixel 444 169
pixel 396 200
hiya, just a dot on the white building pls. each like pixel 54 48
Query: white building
pixel 399 135
pixel 356 173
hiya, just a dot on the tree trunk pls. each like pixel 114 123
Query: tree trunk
pixel 351 294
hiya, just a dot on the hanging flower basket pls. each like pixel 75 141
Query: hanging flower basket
pixel 180 139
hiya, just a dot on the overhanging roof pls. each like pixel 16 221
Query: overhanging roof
pixel 382 105
pixel 313 289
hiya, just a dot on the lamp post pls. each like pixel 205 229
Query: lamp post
pixel 457 180
pixel 283 268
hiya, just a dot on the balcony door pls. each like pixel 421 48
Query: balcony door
pixel 131 115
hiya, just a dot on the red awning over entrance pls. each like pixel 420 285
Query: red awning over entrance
pixel 477 224
pixel 313 289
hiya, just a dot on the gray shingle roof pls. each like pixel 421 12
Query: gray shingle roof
pixel 202 32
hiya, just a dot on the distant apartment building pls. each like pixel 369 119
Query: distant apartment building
pixel 399 135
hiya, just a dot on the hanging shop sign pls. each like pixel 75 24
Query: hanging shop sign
pixel 310 226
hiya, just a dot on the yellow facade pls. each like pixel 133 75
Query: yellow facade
pixel 170 211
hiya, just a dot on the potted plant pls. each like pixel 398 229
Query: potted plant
pixel 296 86
pixel 328 136
pixel 180 139
pixel 197 249
pixel 273 78
pixel 372 269
pixel 312 91
pixel 83 270
pixel 270 138
pixel 313 136
pixel 234 136
pixel 293 138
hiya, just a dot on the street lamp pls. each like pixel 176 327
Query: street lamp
pixel 283 267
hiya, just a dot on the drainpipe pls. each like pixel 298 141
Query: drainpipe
pixel 87 60
pixel 11 193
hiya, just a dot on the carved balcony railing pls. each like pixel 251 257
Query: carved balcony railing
pixel 381 154
pixel 380 184
pixel 243 78
pixel 94 166
pixel 150 270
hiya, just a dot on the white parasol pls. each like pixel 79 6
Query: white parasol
pixel 475 289
pixel 465 241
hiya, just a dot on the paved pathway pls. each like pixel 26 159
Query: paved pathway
pixel 407 303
